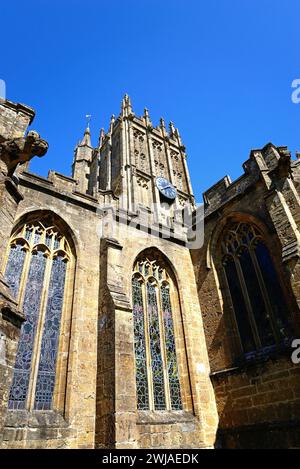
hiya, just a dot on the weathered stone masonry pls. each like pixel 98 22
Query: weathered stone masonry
pixel 258 401
pixel 227 400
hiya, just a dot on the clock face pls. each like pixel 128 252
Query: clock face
pixel 166 188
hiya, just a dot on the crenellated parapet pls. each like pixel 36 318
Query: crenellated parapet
pixel 270 164
pixel 133 149
pixel 269 191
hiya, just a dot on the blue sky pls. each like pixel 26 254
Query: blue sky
pixel 220 69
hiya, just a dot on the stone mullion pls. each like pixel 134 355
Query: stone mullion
pixel 264 293
pixel 25 272
pixel 60 382
pixel 247 302
pixel 181 358
pixel 163 348
pixel 38 336
pixel 147 346
pixel 233 316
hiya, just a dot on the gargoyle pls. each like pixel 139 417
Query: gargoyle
pixel 283 169
pixel 20 150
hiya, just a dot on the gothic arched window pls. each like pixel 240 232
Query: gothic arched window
pixel 36 270
pixel 157 378
pixel 256 294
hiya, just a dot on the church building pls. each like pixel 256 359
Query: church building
pixel 130 316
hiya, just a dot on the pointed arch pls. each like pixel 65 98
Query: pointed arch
pixel 250 284
pixel 154 288
pixel 50 217
pixel 40 267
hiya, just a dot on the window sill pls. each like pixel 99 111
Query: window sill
pixel 265 353
pixel 161 417
pixel 35 419
pixel 256 358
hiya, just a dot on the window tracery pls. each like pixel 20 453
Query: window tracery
pixel 36 270
pixel 157 378
pixel 256 294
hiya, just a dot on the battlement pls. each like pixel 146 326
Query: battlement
pixel 266 163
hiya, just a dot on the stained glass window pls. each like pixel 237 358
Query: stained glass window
pixel 155 349
pixel 170 348
pixel 256 294
pixel 157 376
pixel 36 272
pixel 46 371
pixel 140 348
pixel 15 267
pixel 31 308
pixel 239 304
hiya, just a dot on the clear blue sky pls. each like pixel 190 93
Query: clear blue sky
pixel 220 69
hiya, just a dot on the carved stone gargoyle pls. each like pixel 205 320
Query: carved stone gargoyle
pixel 283 169
pixel 20 150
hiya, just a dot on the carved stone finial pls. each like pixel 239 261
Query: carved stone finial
pixel 126 108
pixel 147 119
pixel 112 123
pixel 101 137
pixel 162 123
pixel 172 129
pixel 20 150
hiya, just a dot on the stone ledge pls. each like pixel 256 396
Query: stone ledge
pixel 147 417
pixel 35 419
pixel 46 186
pixel 284 352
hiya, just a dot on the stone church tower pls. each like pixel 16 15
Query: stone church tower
pixel 130 317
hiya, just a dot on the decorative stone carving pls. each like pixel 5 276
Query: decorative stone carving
pixel 160 159
pixel 140 150
pixel 142 182
pixel 20 150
